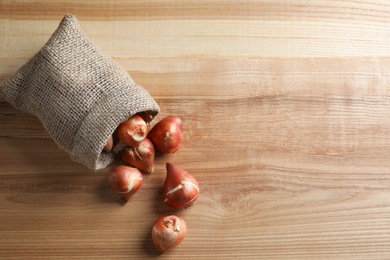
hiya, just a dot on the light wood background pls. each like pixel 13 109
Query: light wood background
pixel 286 109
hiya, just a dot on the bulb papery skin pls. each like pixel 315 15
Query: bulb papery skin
pixel 168 232
pixel 125 180
pixel 180 188
pixel 166 135
pixel 140 156
pixel 132 131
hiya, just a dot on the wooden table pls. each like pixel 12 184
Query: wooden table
pixel 286 109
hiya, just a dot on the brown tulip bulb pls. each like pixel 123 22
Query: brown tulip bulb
pixel 168 232
pixel 140 156
pixel 147 117
pixel 166 134
pixel 109 145
pixel 132 131
pixel 125 181
pixel 180 188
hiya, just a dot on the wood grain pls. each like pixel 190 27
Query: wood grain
pixel 286 128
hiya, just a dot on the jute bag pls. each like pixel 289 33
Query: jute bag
pixel 79 94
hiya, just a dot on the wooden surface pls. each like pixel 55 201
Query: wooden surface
pixel 286 109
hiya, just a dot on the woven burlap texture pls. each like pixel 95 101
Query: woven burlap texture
pixel 79 94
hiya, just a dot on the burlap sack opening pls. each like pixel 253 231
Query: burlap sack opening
pixel 79 94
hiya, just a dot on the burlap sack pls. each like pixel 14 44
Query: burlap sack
pixel 79 94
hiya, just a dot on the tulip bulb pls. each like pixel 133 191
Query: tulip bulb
pixel 132 131
pixel 147 117
pixel 140 156
pixel 109 145
pixel 168 232
pixel 180 188
pixel 166 134
pixel 125 181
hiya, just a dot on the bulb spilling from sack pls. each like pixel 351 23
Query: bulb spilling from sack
pixel 79 94
pixel 93 110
